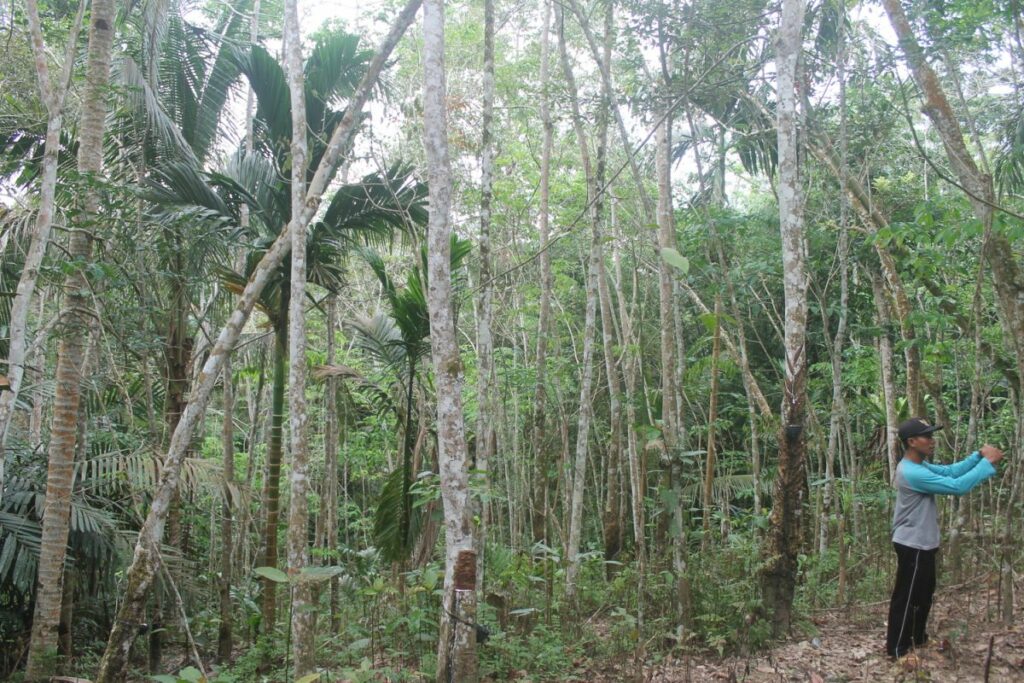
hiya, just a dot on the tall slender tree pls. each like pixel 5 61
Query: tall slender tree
pixel 486 413
pixel 541 464
pixel 456 655
pixel 778 578
pixel 303 617
pixel 582 450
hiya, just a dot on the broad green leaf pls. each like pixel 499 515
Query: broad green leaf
pixel 309 678
pixel 272 573
pixel 164 678
pixel 675 259
pixel 191 674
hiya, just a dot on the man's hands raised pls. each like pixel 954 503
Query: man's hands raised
pixel 991 453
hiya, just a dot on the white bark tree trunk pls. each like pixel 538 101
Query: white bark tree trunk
pixel 589 326
pixel 331 461
pixel 456 656
pixel 842 256
pixel 486 412
pixel 539 490
pixel 785 531
pixel 224 634
pixel 888 385
pixel 303 617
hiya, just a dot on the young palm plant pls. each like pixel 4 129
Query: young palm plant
pixel 398 341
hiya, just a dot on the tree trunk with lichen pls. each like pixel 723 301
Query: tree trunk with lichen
pixel 785 535
pixel 303 614
pixel 456 651
pixel 486 404
pixel 224 630
pixel 582 449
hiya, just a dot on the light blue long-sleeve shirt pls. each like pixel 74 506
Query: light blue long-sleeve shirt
pixel 915 520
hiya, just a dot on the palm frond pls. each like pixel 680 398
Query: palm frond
pixel 380 338
pixel 183 187
pixel 378 397
pixel 377 205
pixel 1009 163
pixel 20 541
pixel 253 179
pixel 273 103
pixel 140 471
pixel 335 67
pixel 223 73
pixel 387 521
pixel 145 102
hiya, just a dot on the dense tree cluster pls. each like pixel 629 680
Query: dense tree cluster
pixel 338 350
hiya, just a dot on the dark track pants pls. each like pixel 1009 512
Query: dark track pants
pixel 911 599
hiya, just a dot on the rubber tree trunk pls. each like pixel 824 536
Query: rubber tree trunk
pixel 579 467
pixel 611 515
pixel 838 412
pixel 486 405
pixel 456 650
pixel 710 461
pixel 303 615
pixel 888 384
pixel 541 463
pixel 671 429
pixel 177 354
pixel 224 630
pixel 331 462
pixel 785 536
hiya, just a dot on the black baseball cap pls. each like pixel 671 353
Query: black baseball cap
pixel 916 426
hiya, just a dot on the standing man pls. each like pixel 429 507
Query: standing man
pixel 915 526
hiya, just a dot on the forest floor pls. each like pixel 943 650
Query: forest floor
pixel 849 646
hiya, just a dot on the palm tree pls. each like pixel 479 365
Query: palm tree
pixel 398 341
pixel 369 210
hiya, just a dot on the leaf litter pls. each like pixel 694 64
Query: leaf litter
pixel 847 645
